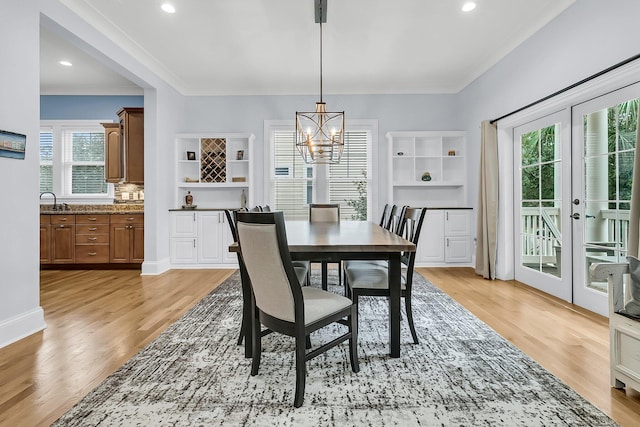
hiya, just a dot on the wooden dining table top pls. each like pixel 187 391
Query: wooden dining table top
pixel 344 236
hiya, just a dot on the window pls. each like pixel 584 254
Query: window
pixel 72 160
pixel 293 184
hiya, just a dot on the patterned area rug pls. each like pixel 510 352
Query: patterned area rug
pixel 461 374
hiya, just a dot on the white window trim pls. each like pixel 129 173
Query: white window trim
pixel 368 125
pixel 57 127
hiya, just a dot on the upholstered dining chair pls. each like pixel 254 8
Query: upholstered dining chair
pixel 325 213
pixel 301 268
pixel 372 279
pixel 280 303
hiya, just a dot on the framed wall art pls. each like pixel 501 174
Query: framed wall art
pixel 12 144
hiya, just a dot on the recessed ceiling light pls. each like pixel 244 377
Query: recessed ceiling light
pixel 168 7
pixel 468 6
pixel 65 63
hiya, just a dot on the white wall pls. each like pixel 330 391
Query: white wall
pixel 20 312
pixel 587 38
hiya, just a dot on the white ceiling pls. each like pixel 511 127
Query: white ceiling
pixel 271 47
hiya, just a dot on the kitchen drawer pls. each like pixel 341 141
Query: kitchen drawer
pixel 90 254
pixel 92 228
pixel 92 219
pixel 91 238
pixel 63 219
pixel 127 219
pixel 45 219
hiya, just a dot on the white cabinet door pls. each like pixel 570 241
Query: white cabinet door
pixel 431 241
pixel 183 250
pixel 457 223
pixel 183 224
pixel 457 234
pixel 457 249
pixel 210 237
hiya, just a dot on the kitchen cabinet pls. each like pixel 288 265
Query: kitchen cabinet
pixel 113 152
pixel 200 238
pixel 126 238
pixel 63 238
pixel 45 239
pixel 445 238
pixel 92 239
pixel 131 125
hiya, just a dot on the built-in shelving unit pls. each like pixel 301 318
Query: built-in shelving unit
pixel 441 155
pixel 215 168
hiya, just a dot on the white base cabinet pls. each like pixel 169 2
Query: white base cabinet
pixel 200 239
pixel 445 238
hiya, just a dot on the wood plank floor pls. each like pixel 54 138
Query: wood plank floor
pixel 96 320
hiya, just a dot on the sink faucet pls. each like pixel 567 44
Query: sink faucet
pixel 55 199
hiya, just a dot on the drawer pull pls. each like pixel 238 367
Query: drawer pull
pixel 92 219
pixel 92 238
pixel 92 228
pixel 92 253
pixel 63 218
pixel 130 219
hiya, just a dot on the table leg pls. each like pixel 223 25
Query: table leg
pixel 324 275
pixel 394 303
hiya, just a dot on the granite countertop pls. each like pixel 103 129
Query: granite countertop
pixel 201 209
pixel 93 209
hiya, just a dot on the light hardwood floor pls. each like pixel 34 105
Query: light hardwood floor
pixel 96 320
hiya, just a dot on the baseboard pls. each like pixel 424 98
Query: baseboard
pixel 152 268
pixel 21 326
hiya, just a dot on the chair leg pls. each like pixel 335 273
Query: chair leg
pixel 307 342
pixel 301 372
pixel 412 328
pixel 241 335
pixel 353 341
pixel 256 346
pixel 324 275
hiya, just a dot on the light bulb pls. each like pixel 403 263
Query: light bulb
pixel 468 6
pixel 168 7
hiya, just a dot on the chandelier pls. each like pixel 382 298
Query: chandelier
pixel 320 134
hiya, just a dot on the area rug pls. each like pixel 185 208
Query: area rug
pixel 461 374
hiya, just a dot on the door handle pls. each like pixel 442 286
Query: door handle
pixel 575 216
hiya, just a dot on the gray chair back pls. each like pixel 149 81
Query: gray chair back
pixel 263 244
pixel 324 212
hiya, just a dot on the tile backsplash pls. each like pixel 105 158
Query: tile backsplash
pixel 132 194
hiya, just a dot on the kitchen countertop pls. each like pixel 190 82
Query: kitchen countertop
pixel 93 209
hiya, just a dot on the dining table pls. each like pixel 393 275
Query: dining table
pixel 351 240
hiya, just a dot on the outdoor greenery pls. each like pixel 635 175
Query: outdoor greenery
pixel 360 204
pixel 538 156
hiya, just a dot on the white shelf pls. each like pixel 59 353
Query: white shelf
pixel 427 151
pixel 214 194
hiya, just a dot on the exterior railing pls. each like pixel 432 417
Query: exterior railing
pixel 541 234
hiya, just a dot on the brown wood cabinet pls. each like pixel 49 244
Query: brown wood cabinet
pixel 132 143
pixel 45 239
pixel 92 239
pixel 113 152
pixel 63 237
pixel 127 238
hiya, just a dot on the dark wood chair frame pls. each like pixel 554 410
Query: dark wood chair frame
pixel 296 329
pixel 410 227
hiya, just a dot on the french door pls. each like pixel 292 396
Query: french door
pixel 604 141
pixel 542 204
pixel 573 173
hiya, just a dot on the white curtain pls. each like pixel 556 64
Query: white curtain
pixel 487 202
pixel 634 215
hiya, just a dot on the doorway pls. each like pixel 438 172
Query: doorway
pixel 573 173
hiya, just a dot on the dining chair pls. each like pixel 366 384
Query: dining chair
pixel 281 304
pixel 386 213
pixel 301 268
pixel 325 213
pixel 371 279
